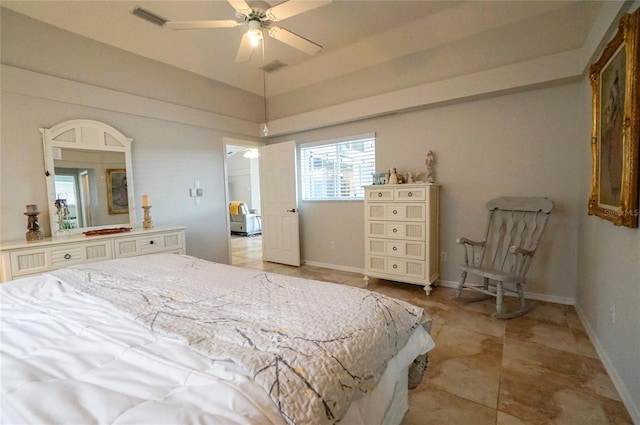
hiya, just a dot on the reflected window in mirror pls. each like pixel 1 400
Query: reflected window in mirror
pixel 67 189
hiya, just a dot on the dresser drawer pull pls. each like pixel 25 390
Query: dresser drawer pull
pixel 395 266
pixel 395 211
pixel 150 242
pixel 379 194
pixel 395 248
pixel 410 194
pixel 395 230
pixel 67 256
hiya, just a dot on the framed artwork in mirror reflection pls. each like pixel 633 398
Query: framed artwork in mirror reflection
pixel 117 194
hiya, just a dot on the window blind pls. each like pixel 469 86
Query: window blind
pixel 337 170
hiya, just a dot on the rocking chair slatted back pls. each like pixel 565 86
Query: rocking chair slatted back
pixel 513 222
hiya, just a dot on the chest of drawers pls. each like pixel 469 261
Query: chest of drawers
pixel 402 233
pixel 21 259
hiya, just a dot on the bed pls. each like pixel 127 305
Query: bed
pixel 169 338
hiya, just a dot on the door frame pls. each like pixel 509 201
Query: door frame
pixel 230 141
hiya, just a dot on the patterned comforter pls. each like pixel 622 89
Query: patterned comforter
pixel 312 346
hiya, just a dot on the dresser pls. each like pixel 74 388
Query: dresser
pixel 402 233
pixel 21 259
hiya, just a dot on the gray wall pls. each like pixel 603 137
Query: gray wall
pixel 32 45
pixel 520 145
pixel 609 277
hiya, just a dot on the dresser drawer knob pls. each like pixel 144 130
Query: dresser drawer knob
pixel 379 194
pixel 67 256
pixel 150 242
pixel 395 266
pixel 410 194
pixel 395 211
pixel 395 248
pixel 395 230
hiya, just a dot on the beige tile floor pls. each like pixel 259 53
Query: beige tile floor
pixel 537 369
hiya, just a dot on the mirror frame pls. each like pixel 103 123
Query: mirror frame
pixel 85 135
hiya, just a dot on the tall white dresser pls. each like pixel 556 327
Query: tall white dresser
pixel 402 240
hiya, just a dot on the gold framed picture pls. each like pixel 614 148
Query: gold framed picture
pixel 117 194
pixel 615 134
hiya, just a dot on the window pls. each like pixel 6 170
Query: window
pixel 337 169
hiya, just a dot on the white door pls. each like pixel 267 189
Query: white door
pixel 279 204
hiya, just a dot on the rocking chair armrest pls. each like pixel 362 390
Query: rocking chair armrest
pixel 517 250
pixel 469 242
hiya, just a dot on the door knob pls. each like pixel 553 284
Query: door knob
pixel 292 210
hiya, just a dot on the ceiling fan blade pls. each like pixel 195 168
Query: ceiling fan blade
pixel 291 8
pixel 245 50
pixel 240 6
pixel 194 25
pixel 294 40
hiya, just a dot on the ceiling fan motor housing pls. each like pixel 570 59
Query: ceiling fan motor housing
pixel 256 15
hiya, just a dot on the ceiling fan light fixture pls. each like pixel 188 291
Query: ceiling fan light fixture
pixel 255 32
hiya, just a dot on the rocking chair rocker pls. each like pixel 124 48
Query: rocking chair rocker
pixel 503 258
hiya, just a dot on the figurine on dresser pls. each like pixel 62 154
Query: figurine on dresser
pixel 393 177
pixel 430 161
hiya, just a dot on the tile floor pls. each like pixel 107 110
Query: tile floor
pixel 537 369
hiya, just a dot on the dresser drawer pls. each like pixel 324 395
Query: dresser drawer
pixel 400 211
pixel 379 194
pixel 76 254
pixel 396 230
pixel 29 261
pixel 148 244
pixel 39 260
pixel 396 248
pixel 396 267
pixel 410 193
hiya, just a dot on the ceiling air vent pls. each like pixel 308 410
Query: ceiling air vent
pixel 273 66
pixel 148 16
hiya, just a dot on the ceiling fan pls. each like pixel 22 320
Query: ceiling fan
pixel 257 20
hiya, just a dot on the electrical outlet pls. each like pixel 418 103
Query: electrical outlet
pixel 443 256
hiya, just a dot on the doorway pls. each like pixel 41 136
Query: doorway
pixel 243 184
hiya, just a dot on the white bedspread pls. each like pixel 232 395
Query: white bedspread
pixel 138 374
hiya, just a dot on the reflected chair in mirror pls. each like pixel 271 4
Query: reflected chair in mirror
pixel 501 261
pixel 243 222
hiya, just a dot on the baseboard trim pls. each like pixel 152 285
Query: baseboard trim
pixel 529 295
pixel 450 284
pixel 334 267
pixel 627 400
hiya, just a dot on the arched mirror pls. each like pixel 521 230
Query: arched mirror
pixel 89 177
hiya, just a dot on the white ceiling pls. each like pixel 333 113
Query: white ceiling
pixel 355 35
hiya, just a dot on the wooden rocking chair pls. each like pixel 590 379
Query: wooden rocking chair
pixel 503 258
